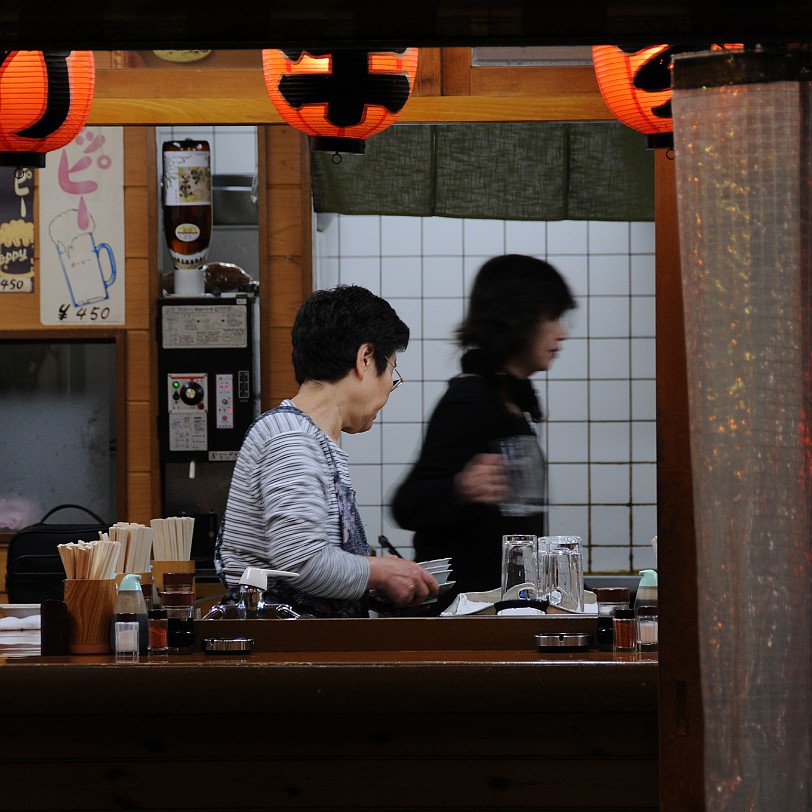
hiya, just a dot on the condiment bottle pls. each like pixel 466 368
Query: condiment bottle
pixel 130 600
pixel 54 634
pixel 125 629
pixel 609 599
pixel 624 631
pixel 187 207
pixel 647 589
pixel 158 632
pixel 180 621
pixel 647 628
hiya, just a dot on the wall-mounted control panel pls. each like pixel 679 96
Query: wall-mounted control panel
pixel 207 362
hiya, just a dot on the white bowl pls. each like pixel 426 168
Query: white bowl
pixel 440 576
pixel 437 567
pixel 435 563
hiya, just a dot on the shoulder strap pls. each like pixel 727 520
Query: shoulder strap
pixel 73 507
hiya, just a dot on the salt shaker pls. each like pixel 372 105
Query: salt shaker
pixel 126 636
pixel 647 628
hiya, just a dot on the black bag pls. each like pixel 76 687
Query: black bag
pixel 34 570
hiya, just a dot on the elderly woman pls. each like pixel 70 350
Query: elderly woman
pixel 454 496
pixel 291 505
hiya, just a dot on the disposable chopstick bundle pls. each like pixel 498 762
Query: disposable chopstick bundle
pixel 172 538
pixel 136 541
pixel 90 559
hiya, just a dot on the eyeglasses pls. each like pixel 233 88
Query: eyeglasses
pixel 397 378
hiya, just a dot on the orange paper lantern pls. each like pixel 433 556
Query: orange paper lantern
pixel 45 99
pixel 340 97
pixel 636 85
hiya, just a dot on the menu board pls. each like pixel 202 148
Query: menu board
pixel 16 230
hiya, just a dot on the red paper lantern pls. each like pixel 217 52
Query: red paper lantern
pixel 340 97
pixel 45 99
pixel 636 85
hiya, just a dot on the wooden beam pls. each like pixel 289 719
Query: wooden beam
pixel 238 96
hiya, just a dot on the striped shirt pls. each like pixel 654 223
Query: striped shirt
pixel 282 511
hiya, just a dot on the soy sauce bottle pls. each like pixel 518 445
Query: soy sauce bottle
pixel 187 202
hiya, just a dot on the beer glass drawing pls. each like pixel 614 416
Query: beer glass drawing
pixel 87 274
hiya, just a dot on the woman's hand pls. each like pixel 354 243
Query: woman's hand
pixel 403 582
pixel 483 480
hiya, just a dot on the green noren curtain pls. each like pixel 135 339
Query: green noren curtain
pixel 524 171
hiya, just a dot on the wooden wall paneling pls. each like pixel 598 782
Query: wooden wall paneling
pixel 151 161
pixel 142 473
pixel 140 504
pixel 285 252
pixel 429 79
pixel 141 423
pixel 681 723
pixel 456 71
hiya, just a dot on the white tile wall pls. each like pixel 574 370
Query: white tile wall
pixel 599 398
pixel 600 436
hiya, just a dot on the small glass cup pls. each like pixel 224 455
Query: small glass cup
pixel 624 630
pixel 519 568
pixel 561 574
pixel 647 628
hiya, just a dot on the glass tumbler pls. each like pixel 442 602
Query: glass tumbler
pixel 519 568
pixel 561 575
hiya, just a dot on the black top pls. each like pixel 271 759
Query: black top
pixel 471 417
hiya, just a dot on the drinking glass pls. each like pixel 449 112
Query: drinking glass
pixel 561 575
pixel 519 568
pixel 524 467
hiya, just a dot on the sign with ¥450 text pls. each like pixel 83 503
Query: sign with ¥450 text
pixel 16 230
pixel 81 230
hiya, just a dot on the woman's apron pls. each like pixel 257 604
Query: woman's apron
pixel 353 540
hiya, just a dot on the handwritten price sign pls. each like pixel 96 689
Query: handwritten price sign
pixel 16 230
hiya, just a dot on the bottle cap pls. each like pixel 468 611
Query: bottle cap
pixel 648 578
pixel 178 581
pixel 644 610
pixel 612 594
pixel 157 614
pixel 177 598
pixel 623 613
pixel 130 582
pixel 126 617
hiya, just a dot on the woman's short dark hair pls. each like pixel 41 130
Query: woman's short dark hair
pixel 510 296
pixel 332 324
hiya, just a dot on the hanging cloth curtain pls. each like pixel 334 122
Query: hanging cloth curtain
pixel 525 171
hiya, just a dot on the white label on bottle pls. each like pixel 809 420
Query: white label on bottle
pixel 187 178
pixel 187 232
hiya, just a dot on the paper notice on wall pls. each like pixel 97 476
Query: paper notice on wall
pixel 16 230
pixel 81 230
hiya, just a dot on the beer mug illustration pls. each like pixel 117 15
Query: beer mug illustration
pixel 81 258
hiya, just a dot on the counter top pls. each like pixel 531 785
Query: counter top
pixel 304 661
pixel 397 714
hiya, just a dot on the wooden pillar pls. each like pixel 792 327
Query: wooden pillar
pixel 286 267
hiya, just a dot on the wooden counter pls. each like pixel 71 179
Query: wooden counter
pixel 398 727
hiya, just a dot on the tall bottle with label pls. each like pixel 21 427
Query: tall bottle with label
pixel 187 210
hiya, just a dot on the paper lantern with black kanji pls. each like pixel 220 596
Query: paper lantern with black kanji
pixel 45 99
pixel 339 97
pixel 636 85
